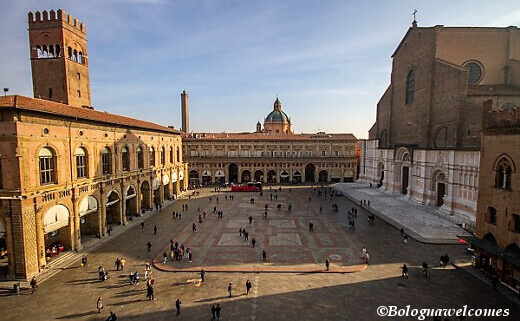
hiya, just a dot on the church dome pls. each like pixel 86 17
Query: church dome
pixel 276 116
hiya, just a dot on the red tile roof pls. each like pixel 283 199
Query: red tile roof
pixel 266 136
pixel 54 108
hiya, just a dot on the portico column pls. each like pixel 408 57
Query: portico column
pixel 76 228
pixel 102 212
pixel 40 242
pixel 123 204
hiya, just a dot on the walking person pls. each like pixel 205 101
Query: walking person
pixel 405 239
pixel 99 305
pixel 248 286
pixel 142 225
pixel 84 260
pixel 149 292
pixel 178 306
pixel 264 255
pixel 202 274
pixel 34 284
pixel 405 271
pixel 327 264
pixel 155 229
pixel 253 242
pixel 213 312
pixel 311 227
pixel 122 262
pixel 149 246
pixel 402 232
pixel 230 289
pixel 218 309
pixel 117 264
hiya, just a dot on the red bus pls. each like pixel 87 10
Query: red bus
pixel 249 187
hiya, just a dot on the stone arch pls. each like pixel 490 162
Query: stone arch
pixel 490 237
pixel 113 207
pixel 89 215
pixel 310 170
pixel 441 137
pixel 323 176
pixel 145 196
pixel 233 173
pixel 193 178
pixel 271 176
pixel 131 201
pixel 504 156
pixel 6 247
pixel 246 176
pixel 259 176
pixel 56 229
pixel 439 182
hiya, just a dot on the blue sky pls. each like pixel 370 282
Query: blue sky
pixel 329 61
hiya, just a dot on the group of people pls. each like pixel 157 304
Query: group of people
pixel 102 274
pixel 364 202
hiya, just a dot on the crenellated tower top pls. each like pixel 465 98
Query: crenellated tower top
pixel 60 16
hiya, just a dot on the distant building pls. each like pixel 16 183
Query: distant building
pixel 273 154
pixel 425 143
pixel 67 171
pixel 497 241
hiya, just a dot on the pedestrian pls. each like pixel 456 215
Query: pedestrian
pixel 229 289
pixel 117 264
pixel 250 219
pixel 253 242
pixel 149 246
pixel 405 239
pixel 174 215
pixel 122 261
pixel 264 255
pixel 402 232
pixel 494 282
pixel 155 229
pixel 202 274
pixel 310 198
pixel 321 208
pixel 142 225
pixel 327 264
pixel 218 309
pixel 178 306
pixel 149 292
pixel 405 271
pixel 84 260
pixel 364 252
pixel 112 317
pixel 99 305
pixel 194 227
pixel 240 232
pixel 247 236
pixel 311 227
pixel 164 257
pixel 109 230
pixel 213 312
pixel 248 286
pixel 368 203
pixel 34 284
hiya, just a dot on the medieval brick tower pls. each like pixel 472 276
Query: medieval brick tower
pixel 185 112
pixel 59 59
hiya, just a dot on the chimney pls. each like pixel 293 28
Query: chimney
pixel 185 112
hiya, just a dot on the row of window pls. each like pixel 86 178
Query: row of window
pixel 272 165
pixel 54 51
pixel 47 161
pixel 257 153
pixel 491 218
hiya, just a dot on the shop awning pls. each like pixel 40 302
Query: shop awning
pixel 493 249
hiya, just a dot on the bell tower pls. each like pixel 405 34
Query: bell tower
pixel 59 60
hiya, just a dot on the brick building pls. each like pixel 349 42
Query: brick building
pixel 425 143
pixel 273 154
pixel 67 171
pixel 497 241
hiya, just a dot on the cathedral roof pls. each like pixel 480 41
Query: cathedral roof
pixel 277 115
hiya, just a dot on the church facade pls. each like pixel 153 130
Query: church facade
pixel 426 141
pixel 272 154
pixel 67 171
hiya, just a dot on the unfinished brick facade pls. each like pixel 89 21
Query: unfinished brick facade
pixel 426 139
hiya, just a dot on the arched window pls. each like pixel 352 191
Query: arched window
pixel 163 156
pixel 152 157
pixel 75 55
pixel 410 87
pixel 39 51
pixel 81 162
pixel 70 52
pixel 474 72
pixel 171 155
pixel 508 106
pixel 45 52
pixel 58 51
pixel 503 174
pixel 80 57
pixel 125 158
pixel 178 158
pixel 105 160
pixel 491 215
pixel 140 158
pixel 46 159
pixel 51 51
